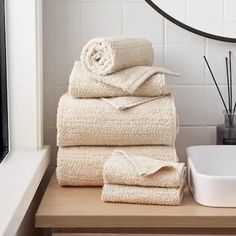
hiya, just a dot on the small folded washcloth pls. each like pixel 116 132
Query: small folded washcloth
pixel 83 165
pixel 104 56
pixel 126 169
pixel 84 84
pixel 94 122
pixel 142 195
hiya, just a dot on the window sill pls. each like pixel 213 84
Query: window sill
pixel 20 176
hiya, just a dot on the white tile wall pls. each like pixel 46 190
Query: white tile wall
pixel 68 24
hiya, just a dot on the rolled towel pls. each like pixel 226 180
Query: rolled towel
pixel 104 56
pixel 130 169
pixel 83 165
pixel 94 122
pixel 142 195
pixel 136 81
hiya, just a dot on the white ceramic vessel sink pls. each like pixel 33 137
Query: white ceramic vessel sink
pixel 212 175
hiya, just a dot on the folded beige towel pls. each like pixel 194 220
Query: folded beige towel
pixel 94 122
pixel 136 81
pixel 121 103
pixel 104 56
pixel 142 195
pixel 83 166
pixel 126 169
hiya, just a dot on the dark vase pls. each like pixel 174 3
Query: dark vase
pixel 226 133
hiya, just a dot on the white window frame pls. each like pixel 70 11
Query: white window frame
pixel 22 170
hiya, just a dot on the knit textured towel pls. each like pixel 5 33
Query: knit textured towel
pixel 142 195
pixel 126 169
pixel 94 122
pixel 83 165
pixel 121 103
pixel 87 85
pixel 104 56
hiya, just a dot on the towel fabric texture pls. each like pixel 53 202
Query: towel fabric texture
pixel 142 195
pixel 121 103
pixel 83 165
pixel 129 169
pixel 94 122
pixel 104 56
pixel 135 81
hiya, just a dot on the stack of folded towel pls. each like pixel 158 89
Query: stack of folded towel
pixel 117 100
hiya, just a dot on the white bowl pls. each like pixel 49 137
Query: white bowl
pixel 212 174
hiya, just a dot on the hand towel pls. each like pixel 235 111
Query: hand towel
pixel 128 80
pixel 83 165
pixel 121 103
pixel 104 56
pixel 94 122
pixel 85 85
pixel 126 169
pixel 142 195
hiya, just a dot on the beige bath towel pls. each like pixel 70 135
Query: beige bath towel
pixel 83 166
pixel 121 103
pixel 85 85
pixel 104 56
pixel 94 122
pixel 128 169
pixel 142 195
pixel 136 81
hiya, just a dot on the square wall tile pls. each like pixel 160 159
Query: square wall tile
pixel 216 53
pixel 51 97
pixel 178 35
pixel 140 20
pixel 190 104
pixel 186 60
pixel 58 62
pixel 101 19
pixel 210 135
pixel 61 22
pixel 159 55
pixel 189 136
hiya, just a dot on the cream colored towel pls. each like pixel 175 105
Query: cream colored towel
pixel 83 165
pixel 121 103
pixel 142 195
pixel 85 85
pixel 126 169
pixel 104 56
pixel 94 122
pixel 136 81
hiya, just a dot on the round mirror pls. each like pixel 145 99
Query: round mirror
pixel 215 19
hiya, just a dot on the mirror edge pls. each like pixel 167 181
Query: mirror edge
pixel 189 28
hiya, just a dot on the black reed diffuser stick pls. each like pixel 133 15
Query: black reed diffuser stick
pixel 213 77
pixel 230 83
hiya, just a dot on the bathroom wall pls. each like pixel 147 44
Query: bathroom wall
pixel 68 24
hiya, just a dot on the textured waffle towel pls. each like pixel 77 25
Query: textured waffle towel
pixel 138 81
pixel 121 103
pixel 104 56
pixel 142 195
pixel 94 122
pixel 126 169
pixel 83 166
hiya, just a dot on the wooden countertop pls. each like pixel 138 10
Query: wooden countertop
pixel 74 207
